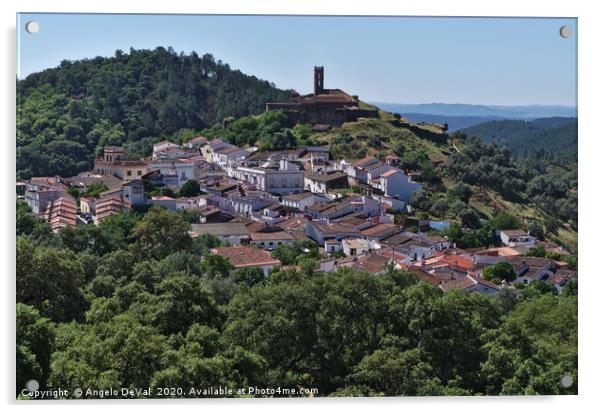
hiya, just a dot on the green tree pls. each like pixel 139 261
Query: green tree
pixel 50 280
pixel 248 276
pixel 35 344
pixel 26 221
pixel 460 191
pixel 190 188
pixel 469 218
pixel 499 271
pixel 503 220
pixel 183 301
pixel 534 347
pixel 160 233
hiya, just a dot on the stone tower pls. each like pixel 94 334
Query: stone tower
pixel 318 80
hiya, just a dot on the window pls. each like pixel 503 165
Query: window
pixel 129 173
pixel 139 172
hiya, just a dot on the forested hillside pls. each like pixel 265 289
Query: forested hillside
pixel 65 114
pixel 545 139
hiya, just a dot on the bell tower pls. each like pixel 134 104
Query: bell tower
pixel 318 80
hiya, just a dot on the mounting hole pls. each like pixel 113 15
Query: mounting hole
pixel 32 385
pixel 32 27
pixel 566 381
pixel 565 31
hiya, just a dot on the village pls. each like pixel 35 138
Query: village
pixel 254 202
pixel 257 201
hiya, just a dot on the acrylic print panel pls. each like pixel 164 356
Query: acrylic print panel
pixel 295 206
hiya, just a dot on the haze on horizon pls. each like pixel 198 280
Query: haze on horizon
pixel 483 61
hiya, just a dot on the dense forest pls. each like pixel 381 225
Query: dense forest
pixel 136 302
pixel 541 140
pixel 66 114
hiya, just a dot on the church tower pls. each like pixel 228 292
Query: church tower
pixel 318 80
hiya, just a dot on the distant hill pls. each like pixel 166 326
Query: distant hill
pixel 457 109
pixel 550 139
pixel 65 114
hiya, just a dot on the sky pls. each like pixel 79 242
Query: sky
pixel 493 61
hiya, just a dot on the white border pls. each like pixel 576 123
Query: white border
pixel 589 153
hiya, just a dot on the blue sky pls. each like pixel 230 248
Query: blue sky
pixel 501 61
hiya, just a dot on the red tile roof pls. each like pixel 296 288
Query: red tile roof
pixel 241 257
pixel 458 262
pixel 391 172
pixel 364 161
pixel 425 276
pixel 61 212
pixel 371 263
pixel 380 230
pixel 292 223
pixel 460 283
pixel 108 206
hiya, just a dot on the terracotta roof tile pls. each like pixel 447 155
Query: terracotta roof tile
pixel 241 257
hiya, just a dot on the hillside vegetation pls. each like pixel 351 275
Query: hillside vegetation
pixel 541 140
pixel 66 114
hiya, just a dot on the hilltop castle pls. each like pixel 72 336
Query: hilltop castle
pixel 324 106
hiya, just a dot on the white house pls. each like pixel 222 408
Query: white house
pixel 249 204
pixel 269 215
pixel 322 183
pixel 358 246
pixel 529 269
pixel 271 240
pixel 278 181
pixel 395 183
pixel 321 232
pixel 333 245
pixel 225 155
pixel 302 201
pixel 208 149
pixel 517 238
pixel 358 170
pixel 234 233
pixel 374 173
pixel 184 169
pixel 390 203
pixel 163 145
